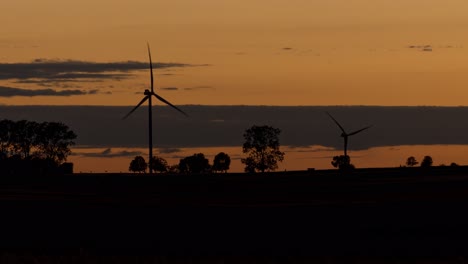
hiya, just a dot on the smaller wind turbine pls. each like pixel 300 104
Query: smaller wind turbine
pixel 345 135
pixel 148 95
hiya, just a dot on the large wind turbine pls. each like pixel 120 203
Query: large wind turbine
pixel 345 135
pixel 148 95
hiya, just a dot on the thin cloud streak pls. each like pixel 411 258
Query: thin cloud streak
pixel 11 92
pixel 169 88
pixel 107 153
pixel 199 88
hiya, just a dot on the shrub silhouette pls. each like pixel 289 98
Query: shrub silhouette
pixel 221 162
pixel 342 162
pixel 411 161
pixel 197 163
pixel 426 162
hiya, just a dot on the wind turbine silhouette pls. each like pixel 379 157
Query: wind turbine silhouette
pixel 345 135
pixel 148 95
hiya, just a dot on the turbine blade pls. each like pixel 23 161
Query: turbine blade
pixel 336 122
pixel 151 68
pixel 360 130
pixel 138 105
pixel 166 102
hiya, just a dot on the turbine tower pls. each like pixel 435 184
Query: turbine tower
pixel 148 95
pixel 345 135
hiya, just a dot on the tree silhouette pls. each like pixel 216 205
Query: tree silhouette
pixel 6 137
pixel 28 147
pixel 250 165
pixel 54 140
pixel 24 138
pixel 159 164
pixel 426 162
pixel 138 164
pixel 262 146
pixel 221 162
pixel 342 162
pixel 411 161
pixel 197 163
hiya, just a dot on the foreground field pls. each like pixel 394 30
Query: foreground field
pixel 373 212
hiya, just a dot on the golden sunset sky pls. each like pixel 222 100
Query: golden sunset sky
pixel 277 52
pixel 296 52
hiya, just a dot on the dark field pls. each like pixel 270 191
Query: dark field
pixel 372 214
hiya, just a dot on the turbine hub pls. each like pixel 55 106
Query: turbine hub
pixel 147 92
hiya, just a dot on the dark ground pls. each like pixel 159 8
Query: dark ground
pixel 373 215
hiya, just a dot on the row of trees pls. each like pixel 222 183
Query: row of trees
pixel 29 139
pixel 343 162
pixel 197 163
pixel 261 146
pixel 28 146
pixel 426 162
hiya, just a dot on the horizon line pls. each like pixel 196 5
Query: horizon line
pixel 239 105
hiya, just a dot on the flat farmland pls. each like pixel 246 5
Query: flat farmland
pixel 370 212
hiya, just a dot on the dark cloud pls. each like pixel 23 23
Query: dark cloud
pixel 107 153
pixel 62 70
pixel 287 48
pixel 62 83
pixel 169 88
pixel 103 127
pixel 10 92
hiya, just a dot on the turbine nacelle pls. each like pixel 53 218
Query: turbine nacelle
pixel 345 135
pixel 147 92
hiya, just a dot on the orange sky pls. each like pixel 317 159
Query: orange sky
pixel 300 158
pixel 338 52
pixel 296 52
